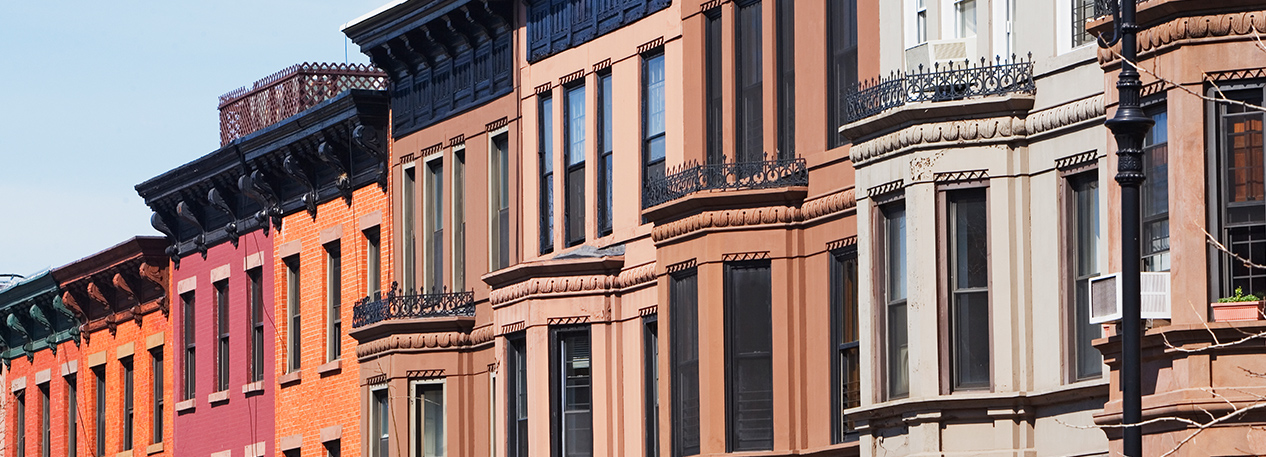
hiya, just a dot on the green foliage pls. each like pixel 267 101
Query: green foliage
pixel 1239 297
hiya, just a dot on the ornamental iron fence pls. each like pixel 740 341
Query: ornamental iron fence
pixel 288 92
pixel 693 177
pixel 396 304
pixel 954 81
pixel 1106 7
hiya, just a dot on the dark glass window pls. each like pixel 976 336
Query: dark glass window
pixel 574 206
pixel 129 401
pixel 222 336
pixel 257 324
pixel 333 301
pixel 749 122
pixel 156 393
pixel 500 195
pixel 1083 10
pixel 19 412
pixel 842 67
pixel 1083 228
pixel 606 146
pixel 373 262
pixel 653 126
pixel 381 424
pixel 712 73
pixel 650 370
pixel 968 286
pixel 546 155
pixel 749 357
pixel 190 372
pixel 846 372
pixel 786 79
pixel 408 204
pixel 428 401
pixel 459 220
pixel 293 330
pixel 1156 194
pixel 516 398
pixel 72 416
pixel 572 409
pixel 897 356
pixel 99 372
pixel 45 430
pixel 684 352
pixel 1243 192
pixel 435 226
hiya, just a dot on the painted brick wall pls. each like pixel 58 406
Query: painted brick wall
pixel 26 370
pixel 103 345
pixel 317 401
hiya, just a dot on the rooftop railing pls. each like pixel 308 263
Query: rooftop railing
pixel 939 83
pixel 395 305
pixel 693 177
pixel 288 92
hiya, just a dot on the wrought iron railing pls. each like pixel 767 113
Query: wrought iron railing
pixel 396 305
pixel 940 83
pixel 693 177
pixel 1106 7
pixel 288 92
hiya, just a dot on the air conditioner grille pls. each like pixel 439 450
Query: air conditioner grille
pixel 1103 297
pixel 949 50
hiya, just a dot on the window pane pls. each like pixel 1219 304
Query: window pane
pixel 334 298
pixel 895 258
pixel 684 346
pixel 749 122
pixel 842 68
pixel 749 364
pixel 970 248
pixel 408 193
pixel 1085 219
pixel 896 252
pixel 786 79
pixel 712 70
pixel 546 135
pixel 844 344
pixel 575 389
pixel 429 399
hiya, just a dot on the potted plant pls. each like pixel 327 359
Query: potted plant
pixel 1238 307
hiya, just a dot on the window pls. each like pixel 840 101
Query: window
pixel 459 220
pixel 408 203
pixel 965 17
pixel 653 117
pixel 574 205
pixel 434 226
pixel 1083 10
pixel 1083 229
pixel 606 146
pixel 1242 196
pixel 19 411
pixel 516 398
pixel 749 122
pixel 492 413
pixel 333 301
pixel 99 372
pixel 967 286
pixel 499 196
pixel 428 419
pixel 72 416
pixel 712 73
pixel 191 371
pixel 257 324
pixel 333 448
pixel 786 79
pixel 842 68
pixel 896 357
pixel 572 427
pixel 748 351
pixel 846 369
pixel 546 156
pixel 45 412
pixel 293 330
pixel 222 336
pixel 920 21
pixel 128 402
pixel 381 424
pixel 650 369
pixel 373 262
pixel 684 353
pixel 1156 194
pixel 156 393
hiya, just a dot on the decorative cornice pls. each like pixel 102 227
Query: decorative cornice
pixel 1076 159
pixel 511 328
pixel 831 204
pixel 1177 31
pixel 948 133
pixel 648 311
pixel 681 266
pixel 596 283
pixel 650 45
pixel 745 256
pixel 1064 115
pixel 960 176
pixel 574 320
pixel 842 243
pixel 884 188
pixel 426 341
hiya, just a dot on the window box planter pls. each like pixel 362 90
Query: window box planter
pixel 1238 311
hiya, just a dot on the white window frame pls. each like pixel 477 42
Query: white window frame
pixel 428 229
pixel 374 433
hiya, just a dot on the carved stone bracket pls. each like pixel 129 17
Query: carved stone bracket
pixel 255 186
pixel 16 326
pixel 156 221
pixel 328 153
pixel 157 275
pixel 59 305
pixel 371 141
pixel 38 316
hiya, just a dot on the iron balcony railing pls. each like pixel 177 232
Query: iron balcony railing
pixel 395 305
pixel 1106 7
pixel 693 177
pixel 939 83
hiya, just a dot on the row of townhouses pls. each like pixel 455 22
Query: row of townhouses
pixel 680 227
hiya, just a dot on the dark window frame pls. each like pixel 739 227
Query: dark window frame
pixel 574 164
pixel 957 313
pixel 653 99
pixel 100 412
pixel 380 425
pixel 749 118
pixel 1077 308
pixel 1082 10
pixel 294 316
pixel 606 149
pixel 1154 232
pixel 433 226
pixel 841 65
pixel 684 354
pixel 222 351
pixel 156 395
pixel 516 396
pixel 459 219
pixel 786 74
pixel 129 403
pixel 1240 225
pixel 46 411
pixel 189 334
pixel 845 342
pixel 408 216
pixel 650 374
pixel 562 437
pixel 895 375
pixel 713 30
pixel 19 413
pixel 545 161
pixel 256 278
pixel 373 260
pixel 418 392
pixel 333 301
pixel 499 219
pixel 72 415
pixel 747 315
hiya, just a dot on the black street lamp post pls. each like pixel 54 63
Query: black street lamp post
pixel 1129 125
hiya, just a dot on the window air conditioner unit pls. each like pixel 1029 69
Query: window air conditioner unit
pixel 948 53
pixel 1105 297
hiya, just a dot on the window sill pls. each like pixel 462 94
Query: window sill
pixel 127 453
pixel 253 388
pixel 154 448
pixel 292 377
pixel 186 405
pixel 218 397
pixel 331 367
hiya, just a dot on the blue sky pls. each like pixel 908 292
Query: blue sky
pixel 99 96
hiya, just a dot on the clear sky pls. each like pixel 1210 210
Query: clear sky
pixel 98 96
